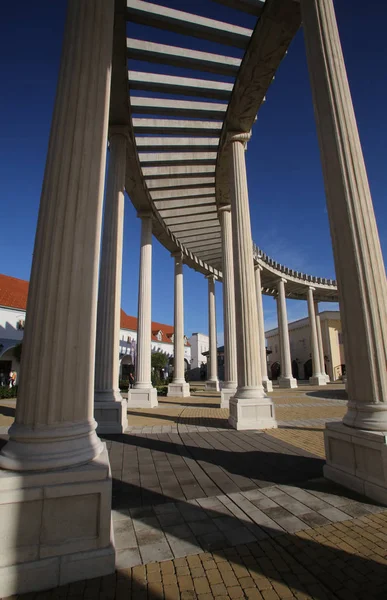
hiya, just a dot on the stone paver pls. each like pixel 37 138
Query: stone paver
pixel 204 512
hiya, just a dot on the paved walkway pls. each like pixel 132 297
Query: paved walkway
pixel 202 511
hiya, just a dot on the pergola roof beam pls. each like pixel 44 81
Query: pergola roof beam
pixel 182 193
pixel 186 171
pixel 177 126
pixel 154 15
pixel 187 86
pixel 190 210
pixel 190 236
pixel 202 219
pixel 148 143
pixel 177 108
pixel 187 202
pixel 253 7
pixel 188 158
pixel 182 57
pixel 180 182
pixel 210 227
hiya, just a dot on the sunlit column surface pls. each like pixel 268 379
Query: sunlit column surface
pixel 320 342
pixel 212 382
pixel 143 394
pixel 178 387
pixel 317 377
pixel 110 408
pixel 250 408
pixel 354 457
pixel 267 384
pixel 286 380
pixel 229 385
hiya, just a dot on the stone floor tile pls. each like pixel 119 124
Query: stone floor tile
pixel 334 514
pixel 130 557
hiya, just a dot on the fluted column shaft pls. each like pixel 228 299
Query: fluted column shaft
pixel 230 351
pixel 213 374
pixel 178 343
pixel 284 335
pixel 358 258
pixel 320 340
pixel 109 295
pixel 54 424
pixel 248 356
pixel 261 328
pixel 313 334
pixel 144 321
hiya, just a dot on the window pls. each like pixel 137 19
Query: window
pixel 20 324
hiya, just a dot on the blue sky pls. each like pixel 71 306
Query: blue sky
pixel 289 218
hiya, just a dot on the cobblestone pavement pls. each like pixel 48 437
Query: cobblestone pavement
pixel 201 511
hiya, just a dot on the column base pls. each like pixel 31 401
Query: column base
pixel 251 413
pixel 179 390
pixel 287 382
pixel 55 527
pixel 327 378
pixel 110 412
pixel 225 396
pixel 142 398
pixel 357 459
pixel 212 385
pixel 267 385
pixel 318 380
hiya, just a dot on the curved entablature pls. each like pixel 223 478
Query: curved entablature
pixel 177 161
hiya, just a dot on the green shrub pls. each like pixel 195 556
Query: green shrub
pixel 162 390
pixel 7 392
pixel 124 385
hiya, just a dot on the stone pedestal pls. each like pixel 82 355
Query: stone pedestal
pixel 357 459
pixel 250 408
pixel 286 379
pixel 226 393
pixel 178 387
pixel 144 394
pixel 55 527
pixel 356 449
pixel 212 382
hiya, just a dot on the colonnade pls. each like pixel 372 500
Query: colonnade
pixel 55 469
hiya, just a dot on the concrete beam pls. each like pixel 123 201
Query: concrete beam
pixel 209 245
pixel 253 7
pixel 171 84
pixel 181 182
pixel 205 228
pixel 179 203
pixel 148 143
pixel 166 158
pixel 177 126
pixel 187 171
pixel 182 57
pixel 201 220
pixel 182 193
pixel 186 203
pixel 174 211
pixel 189 236
pixel 153 15
pixel 177 108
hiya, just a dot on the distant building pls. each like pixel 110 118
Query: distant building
pixel 13 303
pixel 199 343
pixel 300 348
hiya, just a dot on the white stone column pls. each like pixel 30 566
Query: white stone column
pixel 229 386
pixel 60 467
pixel 320 343
pixel 250 408
pixel 317 377
pixel 355 455
pixel 110 409
pixel 286 380
pixel 143 393
pixel 179 387
pixel 267 384
pixel 212 382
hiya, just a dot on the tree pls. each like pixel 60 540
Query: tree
pixel 158 362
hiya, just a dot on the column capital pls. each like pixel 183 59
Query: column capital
pixel 310 287
pixel 258 266
pixel 178 254
pixel 118 130
pixel 238 136
pixel 211 276
pixel 224 208
pixel 282 279
pixel 144 214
